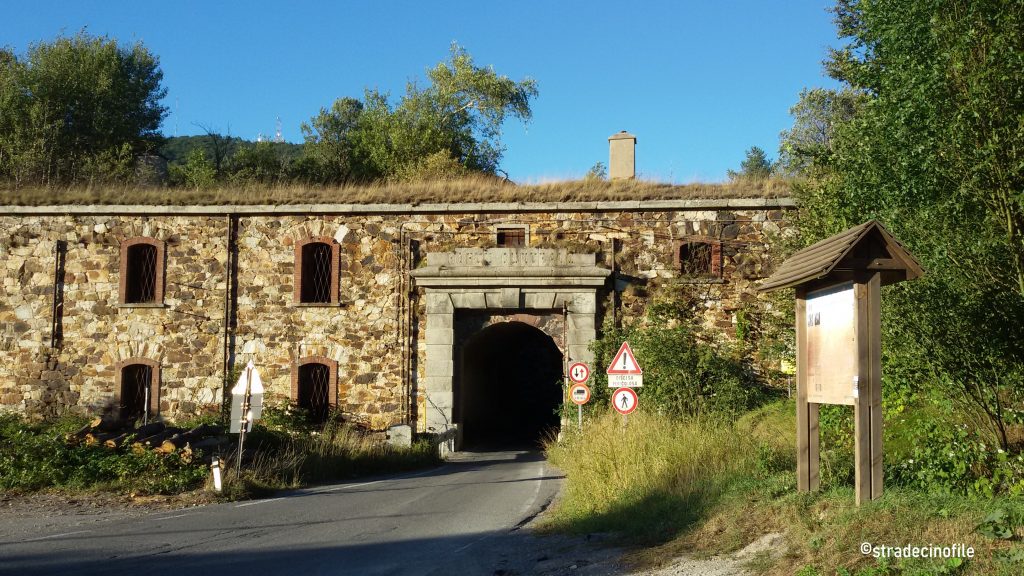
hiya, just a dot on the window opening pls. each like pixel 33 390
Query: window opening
pixel 511 237
pixel 136 387
pixel 313 390
pixel 317 272
pixel 140 271
pixel 695 258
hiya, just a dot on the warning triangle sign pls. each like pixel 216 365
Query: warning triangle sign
pixel 624 362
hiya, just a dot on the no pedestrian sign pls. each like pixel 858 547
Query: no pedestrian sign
pixel 624 371
pixel 624 400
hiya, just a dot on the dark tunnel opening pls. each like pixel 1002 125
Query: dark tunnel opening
pixel 509 387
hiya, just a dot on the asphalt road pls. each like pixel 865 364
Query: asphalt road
pixel 460 518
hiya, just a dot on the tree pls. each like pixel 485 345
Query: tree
pixel 756 166
pixel 457 116
pixel 597 172
pixel 934 148
pixel 197 171
pixel 69 106
pixel 331 150
pixel 815 118
pixel 259 162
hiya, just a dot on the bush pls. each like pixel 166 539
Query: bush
pixel 686 371
pixel 36 456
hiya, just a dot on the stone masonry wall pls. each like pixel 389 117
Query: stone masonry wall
pixel 363 332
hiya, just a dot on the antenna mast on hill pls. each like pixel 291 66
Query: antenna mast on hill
pixel 277 131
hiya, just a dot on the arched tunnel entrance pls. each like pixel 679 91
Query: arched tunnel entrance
pixel 508 387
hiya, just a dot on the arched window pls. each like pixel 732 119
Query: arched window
pixel 142 271
pixel 315 386
pixel 316 271
pixel 699 259
pixel 138 389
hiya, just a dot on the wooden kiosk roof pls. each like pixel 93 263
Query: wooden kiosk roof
pixel 868 247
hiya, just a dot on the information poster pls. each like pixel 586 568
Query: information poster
pixel 831 345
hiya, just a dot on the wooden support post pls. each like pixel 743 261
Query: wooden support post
pixel 807 435
pixel 875 338
pixel 867 408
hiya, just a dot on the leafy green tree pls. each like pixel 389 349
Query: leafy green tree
pixel 332 152
pixel 934 148
pixel 197 172
pixel 756 166
pixel 70 106
pixel 458 115
pixel 815 118
pixel 259 162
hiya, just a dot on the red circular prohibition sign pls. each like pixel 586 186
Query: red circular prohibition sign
pixel 624 400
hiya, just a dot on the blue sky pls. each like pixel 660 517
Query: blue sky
pixel 698 82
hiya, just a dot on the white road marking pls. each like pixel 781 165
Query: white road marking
pixel 175 516
pixel 255 502
pixel 460 549
pixel 55 536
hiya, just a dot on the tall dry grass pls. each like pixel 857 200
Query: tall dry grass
pixel 472 189
pixel 651 477
pixel 339 451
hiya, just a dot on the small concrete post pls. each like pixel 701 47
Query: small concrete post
pixel 622 156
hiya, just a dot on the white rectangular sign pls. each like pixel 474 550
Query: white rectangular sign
pixel 625 380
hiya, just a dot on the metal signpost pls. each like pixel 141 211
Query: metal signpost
pixel 579 393
pixel 246 406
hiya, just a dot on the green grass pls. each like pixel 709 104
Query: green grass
pixel 35 456
pixel 710 487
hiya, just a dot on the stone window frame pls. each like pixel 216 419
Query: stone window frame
pixel 159 273
pixel 525 228
pixel 332 380
pixel 335 299
pixel 154 381
pixel 715 271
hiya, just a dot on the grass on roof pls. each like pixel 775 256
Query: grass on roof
pixel 477 189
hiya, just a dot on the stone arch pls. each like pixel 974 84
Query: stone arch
pixel 136 380
pixel 313 389
pixel 507 386
pixel 499 281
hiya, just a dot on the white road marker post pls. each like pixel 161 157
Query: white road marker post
pixel 215 466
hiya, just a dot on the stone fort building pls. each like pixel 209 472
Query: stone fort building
pixel 452 318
